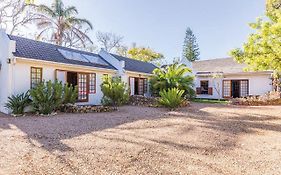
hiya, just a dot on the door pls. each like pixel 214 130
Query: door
pixel 235 84
pixel 83 91
pixel 140 86
pixel 132 86
pixel 61 76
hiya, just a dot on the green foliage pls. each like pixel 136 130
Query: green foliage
pixel 114 91
pixel 190 46
pixel 70 94
pixel 47 97
pixel 144 54
pixel 171 98
pixel 17 103
pixel 262 51
pixel 172 76
pixel 62 22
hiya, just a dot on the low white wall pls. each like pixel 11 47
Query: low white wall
pixel 259 84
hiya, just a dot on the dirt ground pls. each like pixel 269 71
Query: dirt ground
pixel 201 139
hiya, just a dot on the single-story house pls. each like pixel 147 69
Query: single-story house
pixel 25 62
pixel 225 78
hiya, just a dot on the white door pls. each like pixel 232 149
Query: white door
pixel 132 86
pixel 61 76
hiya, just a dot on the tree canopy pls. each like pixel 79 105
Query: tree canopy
pixel 144 54
pixel 190 47
pixel 262 51
pixel 61 22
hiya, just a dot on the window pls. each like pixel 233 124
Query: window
pixel 92 83
pixel 82 87
pixel 204 85
pixel 36 76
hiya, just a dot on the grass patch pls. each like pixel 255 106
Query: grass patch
pixel 213 101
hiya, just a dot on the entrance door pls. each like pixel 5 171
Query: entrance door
pixel 235 88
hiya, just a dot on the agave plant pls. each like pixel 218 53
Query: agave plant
pixel 171 98
pixel 173 76
pixel 17 103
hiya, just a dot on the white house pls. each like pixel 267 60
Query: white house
pixel 24 63
pixel 225 78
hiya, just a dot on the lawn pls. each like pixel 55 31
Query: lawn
pixel 212 101
pixel 201 139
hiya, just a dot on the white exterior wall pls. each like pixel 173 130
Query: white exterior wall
pixel 22 79
pixel 6 49
pixel 259 84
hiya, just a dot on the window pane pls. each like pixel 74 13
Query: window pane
pixel 36 76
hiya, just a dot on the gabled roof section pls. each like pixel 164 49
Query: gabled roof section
pixel 27 48
pixel 222 65
pixel 136 65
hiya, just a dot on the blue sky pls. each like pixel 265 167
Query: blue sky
pixel 219 25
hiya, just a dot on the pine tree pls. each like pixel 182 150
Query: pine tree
pixel 190 47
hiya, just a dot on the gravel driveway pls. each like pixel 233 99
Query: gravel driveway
pixel 201 139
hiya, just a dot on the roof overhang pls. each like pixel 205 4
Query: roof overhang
pixel 139 73
pixel 51 63
pixel 209 74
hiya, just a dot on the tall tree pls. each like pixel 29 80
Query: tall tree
pixel 109 41
pixel 190 47
pixel 144 54
pixel 262 50
pixel 61 23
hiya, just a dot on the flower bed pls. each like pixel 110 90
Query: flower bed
pixel 139 100
pixel 69 108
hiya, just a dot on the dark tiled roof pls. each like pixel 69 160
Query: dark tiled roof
pixel 28 48
pixel 135 65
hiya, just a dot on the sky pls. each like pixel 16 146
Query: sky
pixel 219 25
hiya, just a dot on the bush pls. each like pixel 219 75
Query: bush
pixel 171 98
pixel 48 96
pixel 173 76
pixel 17 103
pixel 70 94
pixel 114 91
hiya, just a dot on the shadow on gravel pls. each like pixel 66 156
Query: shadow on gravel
pixel 51 131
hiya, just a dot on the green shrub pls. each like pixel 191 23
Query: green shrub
pixel 114 91
pixel 70 94
pixel 171 98
pixel 17 103
pixel 173 76
pixel 47 97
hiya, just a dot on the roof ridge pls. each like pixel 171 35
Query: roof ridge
pixel 213 59
pixel 130 58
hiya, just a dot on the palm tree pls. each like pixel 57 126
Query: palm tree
pixel 61 22
pixel 172 76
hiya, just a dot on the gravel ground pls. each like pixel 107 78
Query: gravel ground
pixel 201 139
